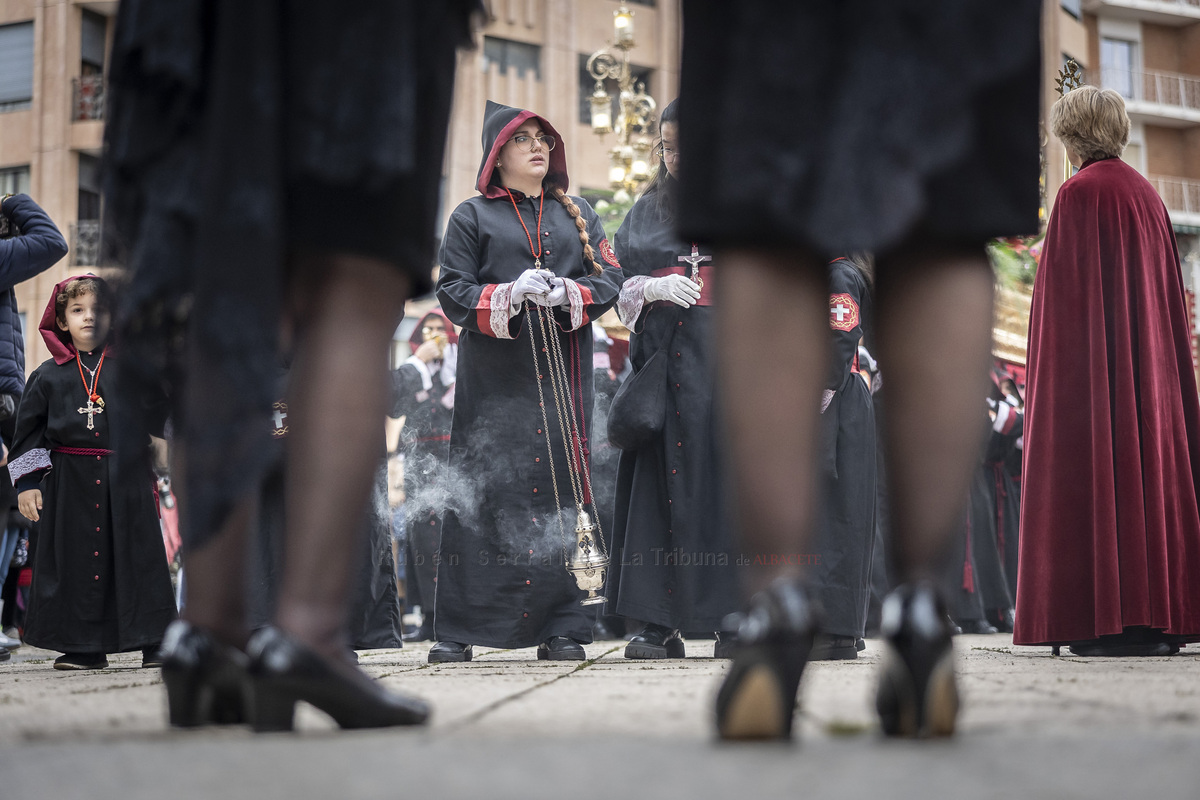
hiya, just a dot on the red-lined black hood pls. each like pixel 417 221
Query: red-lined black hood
pixel 417 339
pixel 499 122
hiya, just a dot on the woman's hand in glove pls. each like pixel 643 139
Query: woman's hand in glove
pixel 558 293
pixel 677 289
pixel 530 284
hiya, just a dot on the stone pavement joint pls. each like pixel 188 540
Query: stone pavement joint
pixel 483 712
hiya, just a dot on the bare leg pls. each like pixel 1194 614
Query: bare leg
pixel 777 300
pixel 345 311
pixel 934 325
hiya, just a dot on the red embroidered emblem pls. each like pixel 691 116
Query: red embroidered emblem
pixel 843 312
pixel 607 253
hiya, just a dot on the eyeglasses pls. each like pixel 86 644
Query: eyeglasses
pixel 525 143
pixel 667 154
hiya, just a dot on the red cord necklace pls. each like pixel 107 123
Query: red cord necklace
pixel 537 257
pixel 95 404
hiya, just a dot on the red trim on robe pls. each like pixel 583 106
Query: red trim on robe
pixel 483 308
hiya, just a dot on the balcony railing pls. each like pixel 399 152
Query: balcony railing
pixel 87 98
pixel 1156 10
pixel 1181 197
pixel 85 243
pixel 1151 86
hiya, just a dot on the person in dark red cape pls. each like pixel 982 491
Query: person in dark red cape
pixel 1110 532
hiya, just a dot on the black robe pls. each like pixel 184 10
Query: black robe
pixel 674 556
pixel 844 539
pixel 502 579
pixel 100 578
pixel 374 609
pixel 1005 497
pixel 427 405
pixel 975 582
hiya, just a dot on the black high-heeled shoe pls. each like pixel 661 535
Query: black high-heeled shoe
pixel 758 696
pixel 206 681
pixel 283 671
pixel 918 693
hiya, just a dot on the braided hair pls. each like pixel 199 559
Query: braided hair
pixel 589 254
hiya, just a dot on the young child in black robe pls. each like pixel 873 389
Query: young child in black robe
pixel 100 578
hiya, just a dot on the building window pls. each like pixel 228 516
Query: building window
pixel 14 180
pixel 587 85
pixel 507 54
pixel 94 33
pixel 1073 8
pixel 1116 65
pixel 16 66
pixel 89 187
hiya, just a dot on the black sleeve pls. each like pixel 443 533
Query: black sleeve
pixel 847 295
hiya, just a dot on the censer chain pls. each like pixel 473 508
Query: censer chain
pixel 562 400
pixel 556 350
pixel 546 427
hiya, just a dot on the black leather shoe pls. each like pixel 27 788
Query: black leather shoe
pixel 206 681
pixel 758 696
pixel 918 693
pixel 977 626
pixel 152 657
pixel 78 661
pixel 860 645
pixel 833 648
pixel 726 644
pixel 655 641
pixel 1093 649
pixel 283 671
pixel 561 648
pixel 449 652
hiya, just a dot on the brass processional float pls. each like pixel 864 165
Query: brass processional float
pixel 587 561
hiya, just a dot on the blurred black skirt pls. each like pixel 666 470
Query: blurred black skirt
pixel 837 125
pixel 238 133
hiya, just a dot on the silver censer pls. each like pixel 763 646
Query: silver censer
pixel 587 563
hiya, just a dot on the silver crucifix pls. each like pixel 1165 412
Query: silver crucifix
pixel 694 259
pixel 91 410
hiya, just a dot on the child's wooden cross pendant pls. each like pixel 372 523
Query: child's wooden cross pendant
pixel 91 410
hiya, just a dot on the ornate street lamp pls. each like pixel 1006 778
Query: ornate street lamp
pixel 629 160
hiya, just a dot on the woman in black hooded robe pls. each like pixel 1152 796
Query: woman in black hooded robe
pixel 522 243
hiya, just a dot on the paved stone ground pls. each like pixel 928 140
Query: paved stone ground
pixel 507 725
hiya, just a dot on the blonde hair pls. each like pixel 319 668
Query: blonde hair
pixel 588 252
pixel 1091 122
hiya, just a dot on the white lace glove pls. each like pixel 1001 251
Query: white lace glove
pixel 558 293
pixel 678 289
pixel 532 284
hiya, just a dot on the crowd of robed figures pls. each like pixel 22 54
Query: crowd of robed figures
pixel 525 268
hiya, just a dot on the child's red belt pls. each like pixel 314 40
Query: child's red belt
pixel 82 451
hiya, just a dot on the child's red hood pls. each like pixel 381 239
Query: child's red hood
pixel 59 341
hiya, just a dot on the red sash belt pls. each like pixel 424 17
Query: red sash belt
pixel 706 275
pixel 434 439
pixel 82 451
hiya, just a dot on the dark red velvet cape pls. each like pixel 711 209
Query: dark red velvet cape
pixel 1110 533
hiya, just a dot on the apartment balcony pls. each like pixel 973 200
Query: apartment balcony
pixel 1158 12
pixel 1167 99
pixel 1182 198
pixel 85 243
pixel 87 96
